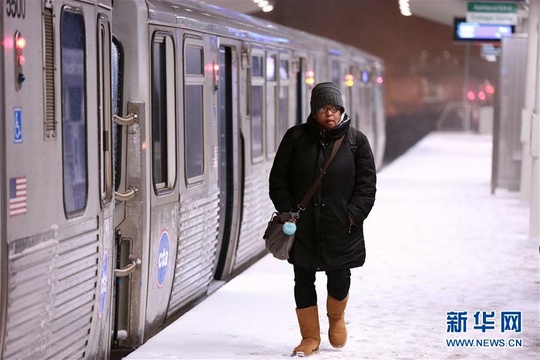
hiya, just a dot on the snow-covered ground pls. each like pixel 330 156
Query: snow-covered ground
pixel 444 257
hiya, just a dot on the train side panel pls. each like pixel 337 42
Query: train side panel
pixel 3 243
pixel 58 231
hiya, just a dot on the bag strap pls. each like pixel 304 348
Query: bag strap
pixel 311 190
pixel 351 133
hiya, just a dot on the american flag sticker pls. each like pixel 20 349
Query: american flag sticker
pixel 17 196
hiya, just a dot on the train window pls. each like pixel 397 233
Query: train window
pixel 193 116
pixel 271 103
pixel 104 108
pixel 283 110
pixel 271 68
pixel 284 69
pixel 193 128
pixel 257 66
pixel 336 72
pixel 194 60
pixel 163 113
pixel 284 84
pixel 256 121
pixel 73 85
pixel 257 106
pixel 117 56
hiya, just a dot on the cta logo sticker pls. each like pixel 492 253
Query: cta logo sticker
pixel 103 284
pixel 163 258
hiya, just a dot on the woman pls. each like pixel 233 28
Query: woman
pixel 329 235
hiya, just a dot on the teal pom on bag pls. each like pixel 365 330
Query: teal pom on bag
pixel 289 228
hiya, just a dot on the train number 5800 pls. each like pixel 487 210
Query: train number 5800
pixel 16 8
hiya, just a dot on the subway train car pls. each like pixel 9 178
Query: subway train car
pixel 137 140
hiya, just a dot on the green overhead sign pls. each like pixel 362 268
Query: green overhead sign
pixel 492 7
pixel 502 13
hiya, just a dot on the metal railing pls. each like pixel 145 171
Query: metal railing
pixel 465 116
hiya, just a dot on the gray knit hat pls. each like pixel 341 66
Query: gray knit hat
pixel 326 93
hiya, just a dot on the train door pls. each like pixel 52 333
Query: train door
pixel 271 125
pixel 58 222
pixel 378 115
pixel 354 111
pixel 301 78
pixel 318 71
pixel 231 164
pixel 198 213
pixel 348 81
pixel 255 200
pixel 105 186
pixel 285 104
pixel 162 232
pixel 365 102
pixel 313 74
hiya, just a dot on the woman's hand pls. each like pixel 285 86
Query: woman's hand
pixel 351 224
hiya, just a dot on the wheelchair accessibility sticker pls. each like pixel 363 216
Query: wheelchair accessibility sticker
pixel 17 125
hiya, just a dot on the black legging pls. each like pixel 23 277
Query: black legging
pixel 305 294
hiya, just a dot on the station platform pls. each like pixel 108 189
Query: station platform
pixel 450 273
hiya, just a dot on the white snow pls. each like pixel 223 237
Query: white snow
pixel 437 241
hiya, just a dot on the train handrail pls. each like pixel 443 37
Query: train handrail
pixel 449 106
pixel 128 195
pixel 134 264
pixel 124 121
pixel 466 119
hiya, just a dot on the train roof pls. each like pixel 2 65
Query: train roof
pixel 213 19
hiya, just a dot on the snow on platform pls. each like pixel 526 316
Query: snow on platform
pixel 450 274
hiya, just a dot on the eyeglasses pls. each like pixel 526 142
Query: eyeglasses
pixel 333 109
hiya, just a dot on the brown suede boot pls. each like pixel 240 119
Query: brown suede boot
pixel 337 332
pixel 308 319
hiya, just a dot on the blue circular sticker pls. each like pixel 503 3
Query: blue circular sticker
pixel 103 284
pixel 163 258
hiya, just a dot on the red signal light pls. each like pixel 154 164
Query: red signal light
pixel 481 95
pixel 20 43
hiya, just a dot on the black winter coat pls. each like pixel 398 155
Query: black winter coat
pixel 324 240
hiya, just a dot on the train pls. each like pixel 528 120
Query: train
pixel 137 140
